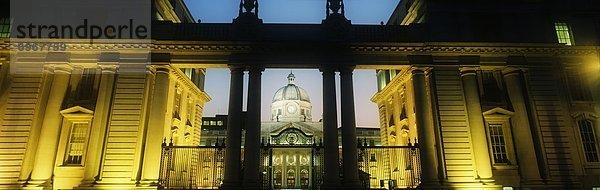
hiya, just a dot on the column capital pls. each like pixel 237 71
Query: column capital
pixel 60 68
pixel 419 70
pixel 346 70
pixel 58 62
pixel 236 68
pixel 108 68
pixel 258 69
pixel 109 62
pixel 162 69
pixel 509 71
pixel 464 71
pixel 328 69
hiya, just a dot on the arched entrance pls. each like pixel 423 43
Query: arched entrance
pixel 293 161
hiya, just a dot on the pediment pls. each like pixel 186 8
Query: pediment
pixel 498 111
pixel 77 112
pixel 580 114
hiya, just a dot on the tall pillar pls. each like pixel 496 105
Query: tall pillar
pixel 476 124
pixel 330 133
pixel 521 129
pixel 426 134
pixel 99 125
pixel 349 141
pixel 45 155
pixel 252 144
pixel 233 140
pixel 156 126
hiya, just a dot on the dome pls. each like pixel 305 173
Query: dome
pixel 291 91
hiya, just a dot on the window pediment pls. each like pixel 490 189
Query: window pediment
pixel 498 111
pixel 578 115
pixel 77 112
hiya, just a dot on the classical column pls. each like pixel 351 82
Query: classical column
pixel 233 142
pixel 156 126
pixel 252 144
pixel 476 124
pixel 426 134
pixel 526 154
pixel 101 112
pixel 330 133
pixel 349 141
pixel 45 155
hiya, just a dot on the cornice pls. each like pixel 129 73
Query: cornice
pixel 392 86
pixel 189 85
pixel 434 48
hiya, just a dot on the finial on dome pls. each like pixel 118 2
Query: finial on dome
pixel 291 78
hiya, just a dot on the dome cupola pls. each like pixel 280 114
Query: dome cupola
pixel 291 91
pixel 291 103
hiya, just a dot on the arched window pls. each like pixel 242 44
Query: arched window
pixel 304 178
pixel 277 179
pixel 588 140
pixel 291 178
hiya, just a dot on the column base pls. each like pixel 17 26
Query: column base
pixel 120 185
pixel 232 186
pixel 353 185
pixel 533 182
pixel 38 184
pixel 330 185
pixel 147 183
pixel 486 181
pixel 252 185
pixel 88 183
pixel 460 185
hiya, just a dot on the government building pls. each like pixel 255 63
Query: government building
pixel 470 94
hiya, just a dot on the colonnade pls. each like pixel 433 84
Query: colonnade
pixel 249 178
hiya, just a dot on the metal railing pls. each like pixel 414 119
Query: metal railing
pixel 289 166
pixel 191 167
pixel 389 167
pixel 292 166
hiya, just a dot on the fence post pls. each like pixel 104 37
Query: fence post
pixel 163 153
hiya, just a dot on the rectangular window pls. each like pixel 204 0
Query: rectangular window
pixel 393 74
pixel 77 143
pixel 85 88
pixel 588 140
pixel 4 27
pixel 177 104
pixel 384 77
pixel 491 89
pixel 578 88
pixel 189 111
pixel 188 72
pixel 498 144
pixel 563 33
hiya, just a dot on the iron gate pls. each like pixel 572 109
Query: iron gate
pixel 291 166
pixel 192 167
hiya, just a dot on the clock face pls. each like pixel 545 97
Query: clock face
pixel 292 109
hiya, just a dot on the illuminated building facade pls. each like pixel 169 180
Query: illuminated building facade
pixel 95 116
pixel 496 94
pixel 498 116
